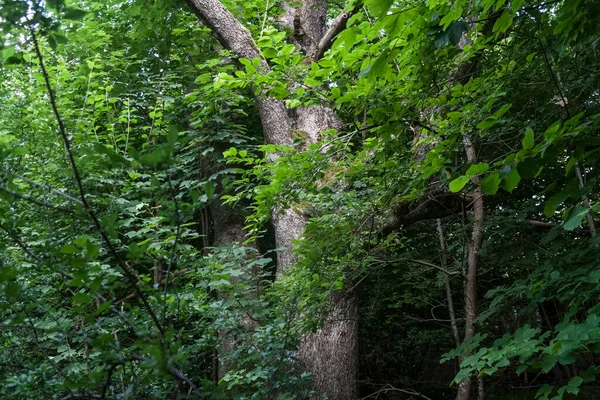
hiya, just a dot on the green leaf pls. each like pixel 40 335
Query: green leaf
pixel 103 307
pixel 504 22
pixel 455 31
pixel 457 184
pixel 500 113
pixel 529 139
pixel 454 14
pixel 68 249
pixel 589 375
pixel 576 216
pixel 209 189
pixel 548 363
pixel 511 181
pixel 379 66
pixel 379 8
pixel 487 123
pixel 13 290
pixel 544 391
pixel 529 168
pixel 574 384
pixel 477 169
pixel 553 203
pixel 491 183
pixel 82 297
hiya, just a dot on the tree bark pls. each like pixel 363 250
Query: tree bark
pixel 330 354
pixel 444 265
pixel 464 386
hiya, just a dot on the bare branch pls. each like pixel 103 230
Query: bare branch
pixel 36 202
pixel 390 388
pixel 549 225
pixel 436 204
pixel 337 26
pixel 43 186
pixel 428 264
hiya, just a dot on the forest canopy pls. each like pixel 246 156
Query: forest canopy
pixel 309 199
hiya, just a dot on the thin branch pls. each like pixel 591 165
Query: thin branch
pixel 81 397
pixel 21 244
pixel 174 249
pixel 390 388
pixel 43 186
pixel 428 264
pixel 177 374
pixel 444 261
pixel 84 202
pixel 36 202
pixel 549 225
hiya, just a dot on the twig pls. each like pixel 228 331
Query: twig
pixel 36 202
pixel 428 264
pixel 174 249
pixel 43 186
pixel 390 388
pixel 21 244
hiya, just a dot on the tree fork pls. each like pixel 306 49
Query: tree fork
pixel 330 353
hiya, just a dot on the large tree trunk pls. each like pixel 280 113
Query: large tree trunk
pixel 330 354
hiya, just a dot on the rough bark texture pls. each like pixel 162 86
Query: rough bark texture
pixel 288 226
pixel 228 224
pixel 311 16
pixel 330 353
pixel 229 32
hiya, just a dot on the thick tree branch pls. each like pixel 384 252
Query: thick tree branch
pixel 437 204
pixel 336 27
pixel 549 225
pixel 228 30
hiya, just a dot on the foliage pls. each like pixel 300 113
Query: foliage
pixel 112 286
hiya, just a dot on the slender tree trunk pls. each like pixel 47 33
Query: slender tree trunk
pixel 330 354
pixel 444 264
pixel 586 202
pixel 464 386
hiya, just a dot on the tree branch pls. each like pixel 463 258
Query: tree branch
pixel 36 202
pixel 43 186
pixel 229 32
pixel 67 143
pixel 549 225
pixel 428 264
pixel 337 26
pixel 437 204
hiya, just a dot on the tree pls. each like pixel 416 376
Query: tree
pixel 331 353
pixel 185 217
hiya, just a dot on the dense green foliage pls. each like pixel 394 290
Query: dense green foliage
pixel 124 121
